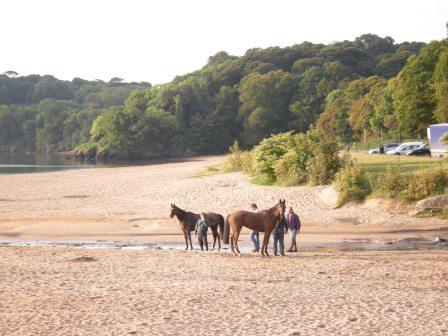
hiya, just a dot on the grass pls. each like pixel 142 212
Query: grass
pixel 443 214
pixel 207 171
pixel 375 164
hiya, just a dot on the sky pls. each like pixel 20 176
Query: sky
pixel 154 41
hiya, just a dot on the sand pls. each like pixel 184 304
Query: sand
pixel 74 291
pixel 49 291
pixel 135 202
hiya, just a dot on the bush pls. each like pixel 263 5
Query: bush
pixel 239 160
pixel 427 182
pixel 291 169
pixel 269 152
pixel 352 183
pixel 288 172
pixel 393 182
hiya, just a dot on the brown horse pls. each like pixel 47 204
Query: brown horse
pixel 264 221
pixel 187 222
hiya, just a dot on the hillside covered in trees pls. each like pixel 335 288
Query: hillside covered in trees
pixel 47 114
pixel 354 90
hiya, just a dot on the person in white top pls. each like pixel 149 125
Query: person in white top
pixel 254 235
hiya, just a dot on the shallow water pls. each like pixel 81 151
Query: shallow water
pixel 22 163
pixel 352 245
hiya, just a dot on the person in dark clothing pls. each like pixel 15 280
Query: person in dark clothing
pixel 381 149
pixel 200 230
pixel 294 228
pixel 279 236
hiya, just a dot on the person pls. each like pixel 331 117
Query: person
pixel 255 235
pixel 200 230
pixel 381 149
pixel 279 236
pixel 294 227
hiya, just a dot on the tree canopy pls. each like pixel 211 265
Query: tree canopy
pixel 351 89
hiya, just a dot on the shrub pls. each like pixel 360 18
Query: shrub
pixel 427 182
pixel 239 160
pixel 325 161
pixel 289 171
pixel 392 182
pixel 352 183
pixel 268 152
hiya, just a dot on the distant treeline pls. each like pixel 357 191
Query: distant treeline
pixel 353 90
pixel 45 113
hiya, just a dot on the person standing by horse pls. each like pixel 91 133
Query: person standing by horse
pixel 200 230
pixel 294 228
pixel 279 236
pixel 255 235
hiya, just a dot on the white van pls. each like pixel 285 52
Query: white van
pixel 404 148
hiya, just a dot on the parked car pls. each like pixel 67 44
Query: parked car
pixel 387 147
pixel 420 151
pixel 404 148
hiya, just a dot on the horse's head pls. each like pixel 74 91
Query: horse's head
pixel 174 210
pixel 281 207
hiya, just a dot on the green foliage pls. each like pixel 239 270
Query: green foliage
pixel 428 182
pixel 392 182
pixel 239 160
pixel 352 183
pixel 396 184
pixel 44 113
pixel 269 151
pixel 247 98
pixel 296 159
pixel 414 97
pixel 265 104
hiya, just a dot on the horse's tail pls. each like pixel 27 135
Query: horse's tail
pixel 221 225
pixel 226 236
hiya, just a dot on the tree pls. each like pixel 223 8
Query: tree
pixel 414 97
pixel 441 86
pixel 265 100
pixel 11 73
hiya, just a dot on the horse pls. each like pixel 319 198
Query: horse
pixel 187 222
pixel 264 221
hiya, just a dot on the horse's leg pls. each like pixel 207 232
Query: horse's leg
pixel 219 240
pixel 214 233
pixel 189 238
pixel 236 236
pixel 186 240
pixel 262 245
pixel 267 235
pixel 232 247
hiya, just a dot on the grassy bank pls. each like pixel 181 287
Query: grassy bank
pixel 376 164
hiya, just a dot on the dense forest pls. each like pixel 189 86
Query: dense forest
pixel 353 90
pixel 47 114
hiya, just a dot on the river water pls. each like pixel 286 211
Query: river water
pixel 20 163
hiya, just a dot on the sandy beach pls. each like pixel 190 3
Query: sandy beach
pixel 134 202
pixel 114 291
pixel 49 291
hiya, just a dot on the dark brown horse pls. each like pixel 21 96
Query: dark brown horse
pixel 187 222
pixel 263 221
